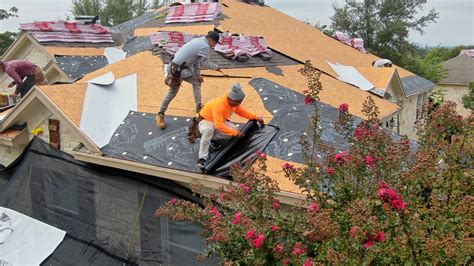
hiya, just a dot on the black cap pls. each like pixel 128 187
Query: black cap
pixel 213 35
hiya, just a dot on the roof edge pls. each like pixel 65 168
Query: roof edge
pixel 210 182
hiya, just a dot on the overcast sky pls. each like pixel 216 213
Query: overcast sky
pixel 455 25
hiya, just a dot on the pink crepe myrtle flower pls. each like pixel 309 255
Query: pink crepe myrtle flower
pixel 354 231
pixel 173 201
pixel 309 100
pixel 330 170
pixel 276 204
pixel 314 207
pixel 308 262
pixel 344 107
pixel 368 244
pixel 250 234
pixel 275 228
pixel 261 155
pixel 299 249
pixel 388 195
pixel 237 218
pixel 287 166
pixel 279 248
pixel 258 241
pixel 245 188
pixel 341 157
pixel 369 161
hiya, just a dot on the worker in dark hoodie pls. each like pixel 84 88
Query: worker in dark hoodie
pixel 186 65
pixel 18 70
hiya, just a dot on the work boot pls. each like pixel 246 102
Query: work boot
pixel 201 163
pixel 160 120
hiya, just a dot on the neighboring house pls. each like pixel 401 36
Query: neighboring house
pixel 456 83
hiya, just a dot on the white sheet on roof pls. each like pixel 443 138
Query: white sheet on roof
pixel 350 75
pixel 105 106
pixel 114 54
pixel 24 240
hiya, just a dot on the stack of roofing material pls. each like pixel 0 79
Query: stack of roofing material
pixel 342 38
pixel 469 52
pixel 68 31
pixel 193 12
pixel 242 45
pixel 170 41
pixel 357 43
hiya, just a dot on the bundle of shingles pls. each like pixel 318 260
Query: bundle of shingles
pixel 357 43
pixel 170 41
pixel 193 12
pixel 68 31
pixel 241 47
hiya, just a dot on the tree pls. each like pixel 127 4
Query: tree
pixel 468 99
pixel 5 14
pixel 7 38
pixel 383 24
pixel 380 202
pixel 110 12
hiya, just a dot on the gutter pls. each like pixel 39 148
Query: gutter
pixel 209 182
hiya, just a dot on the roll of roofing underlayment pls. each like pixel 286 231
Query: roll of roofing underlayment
pixel 241 150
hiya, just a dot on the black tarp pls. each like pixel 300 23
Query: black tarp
pixel 78 66
pixel 139 139
pixel 106 213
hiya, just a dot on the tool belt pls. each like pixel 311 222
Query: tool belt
pixel 173 79
pixel 193 131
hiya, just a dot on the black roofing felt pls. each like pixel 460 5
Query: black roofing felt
pixel 78 66
pixel 278 59
pixel 128 26
pixel 135 45
pixel 292 116
pixel 416 84
pixel 139 139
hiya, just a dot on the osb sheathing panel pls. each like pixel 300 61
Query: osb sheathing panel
pixel 78 51
pixel 151 87
pixel 274 170
pixel 379 76
pixel 292 37
pixel 68 97
pixel 192 29
pixel 334 91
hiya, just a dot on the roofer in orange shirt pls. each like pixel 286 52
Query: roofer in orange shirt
pixel 214 124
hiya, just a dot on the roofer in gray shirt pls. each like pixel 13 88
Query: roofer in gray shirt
pixel 186 65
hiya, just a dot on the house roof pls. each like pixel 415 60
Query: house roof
pixel 380 77
pixel 460 70
pixel 415 84
pixel 293 37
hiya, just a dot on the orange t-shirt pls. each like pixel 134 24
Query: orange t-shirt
pixel 218 110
